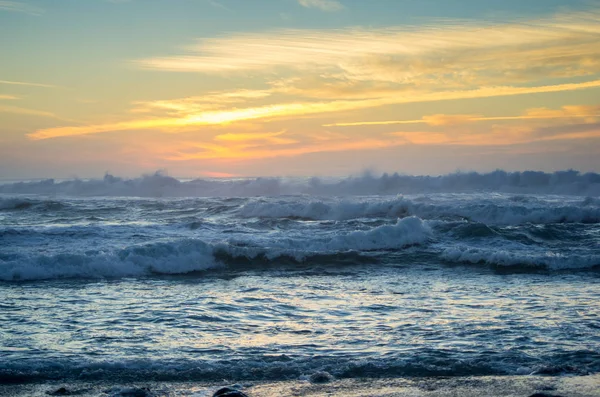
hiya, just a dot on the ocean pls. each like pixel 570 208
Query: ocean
pixel 160 280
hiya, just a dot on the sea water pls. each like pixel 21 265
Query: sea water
pixel 261 279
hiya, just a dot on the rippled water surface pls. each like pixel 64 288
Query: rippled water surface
pixel 282 324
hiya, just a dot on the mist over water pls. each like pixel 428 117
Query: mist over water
pixel 270 279
pixel 567 182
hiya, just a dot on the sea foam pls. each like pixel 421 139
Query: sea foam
pixel 500 211
pixel 520 258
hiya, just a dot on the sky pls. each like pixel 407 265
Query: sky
pixel 227 88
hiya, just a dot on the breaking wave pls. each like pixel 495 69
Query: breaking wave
pixel 194 255
pixel 486 211
pixel 422 363
pixel 514 259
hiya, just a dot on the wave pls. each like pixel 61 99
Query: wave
pixel 568 182
pixel 503 210
pixel 177 257
pixel 420 363
pixel 505 258
pixel 504 213
pixel 194 255
pixel 18 204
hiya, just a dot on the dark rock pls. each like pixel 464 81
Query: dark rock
pixel 132 392
pixel 61 391
pixel 320 377
pixel 557 370
pixel 544 395
pixel 229 392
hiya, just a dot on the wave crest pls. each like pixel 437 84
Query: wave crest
pixel 485 211
pixel 193 255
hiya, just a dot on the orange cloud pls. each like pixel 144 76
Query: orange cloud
pixel 588 113
pixel 497 136
pixel 448 119
pixel 298 109
pixel 273 138
pixel 242 152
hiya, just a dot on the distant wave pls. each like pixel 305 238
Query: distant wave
pixel 568 182
pixel 500 212
pixel 517 259
pixel 14 203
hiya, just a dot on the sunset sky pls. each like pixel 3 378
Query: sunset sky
pixel 297 87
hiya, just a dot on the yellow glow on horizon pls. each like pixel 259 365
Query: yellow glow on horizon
pixel 248 152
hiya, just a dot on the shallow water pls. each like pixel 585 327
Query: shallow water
pixel 265 324
pixel 277 287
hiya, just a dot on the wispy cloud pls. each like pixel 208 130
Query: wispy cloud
pixel 27 84
pixel 566 112
pixel 448 54
pixel 501 135
pixel 7 97
pixel 325 5
pixel 193 105
pixel 29 112
pixel 213 3
pixel 217 4
pixel 18 6
pixel 205 151
pixel 235 147
pixel 201 116
pixel 271 138
pixel 335 73
pixel 537 125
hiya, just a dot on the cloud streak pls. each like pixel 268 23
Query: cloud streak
pixel 448 54
pixel 566 112
pixel 499 136
pixel 209 151
pixel 324 5
pixel 29 112
pixel 295 109
pixel 18 6
pixel 27 84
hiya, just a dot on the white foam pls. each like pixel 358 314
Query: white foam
pixel 321 210
pixel 167 258
pixel 407 231
pixel 508 257
pixel 496 212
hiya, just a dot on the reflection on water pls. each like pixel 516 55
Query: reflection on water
pixel 398 320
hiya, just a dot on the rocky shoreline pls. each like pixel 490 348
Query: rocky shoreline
pixel 502 386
